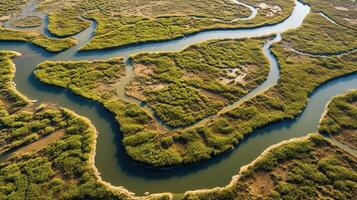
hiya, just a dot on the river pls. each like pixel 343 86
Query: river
pixel 112 162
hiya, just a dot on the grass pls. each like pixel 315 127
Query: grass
pixel 12 100
pixel 343 12
pixel 340 120
pixel 10 7
pixel 145 142
pixel 187 86
pixel 144 21
pixel 85 78
pixel 63 169
pixel 306 168
pixel 50 44
pixel 300 75
pixel 28 22
pixel 155 21
pixel 143 139
pixel 63 28
pixel 318 35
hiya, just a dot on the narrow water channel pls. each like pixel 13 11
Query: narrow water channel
pixel 111 160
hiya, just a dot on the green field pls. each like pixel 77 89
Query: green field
pixel 48 151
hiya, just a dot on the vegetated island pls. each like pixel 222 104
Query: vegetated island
pixel 339 120
pixel 306 168
pixel 28 22
pixel 147 142
pixel 50 44
pixel 9 9
pixel 121 22
pixel 47 152
pixel 185 87
pixel 310 167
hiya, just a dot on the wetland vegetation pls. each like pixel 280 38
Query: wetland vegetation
pixel 188 86
pixel 181 88
pixel 60 170
pixel 144 21
pixel 343 12
pixel 340 119
pixel 304 168
pixel 146 142
pixel 50 44
pixel 318 35
pixel 28 22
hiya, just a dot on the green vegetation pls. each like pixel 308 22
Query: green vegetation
pixel 145 141
pixel 190 85
pixel 26 127
pixel 97 80
pixel 300 75
pixel 10 7
pixel 84 78
pixel 28 22
pixel 140 131
pixel 306 168
pixel 70 26
pixel 343 12
pixel 50 44
pixel 123 30
pixel 340 120
pixel 145 21
pixel 125 22
pixel 10 98
pixel 61 170
pixel 318 35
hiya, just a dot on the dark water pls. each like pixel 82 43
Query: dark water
pixel 111 160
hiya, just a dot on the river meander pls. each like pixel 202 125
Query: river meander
pixel 112 162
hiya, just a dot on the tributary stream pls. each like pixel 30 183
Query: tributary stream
pixel 112 162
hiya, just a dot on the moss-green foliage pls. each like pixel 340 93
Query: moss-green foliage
pixel 61 170
pixel 152 8
pixel 25 127
pixel 300 75
pixel 341 11
pixel 9 7
pixel 54 45
pixel 13 101
pixel 308 169
pixel 28 22
pixel 341 119
pixel 126 22
pixel 84 78
pixel 70 26
pixel 118 31
pixel 50 44
pixel 180 105
pixel 341 114
pixel 201 79
pixel 320 36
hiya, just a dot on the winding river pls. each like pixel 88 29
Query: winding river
pixel 112 162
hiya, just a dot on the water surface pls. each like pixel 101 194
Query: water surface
pixel 111 160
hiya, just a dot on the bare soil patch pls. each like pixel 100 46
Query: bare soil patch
pixel 41 143
pixel 261 184
pixel 348 137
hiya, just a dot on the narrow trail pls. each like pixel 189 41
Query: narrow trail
pixel 323 55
